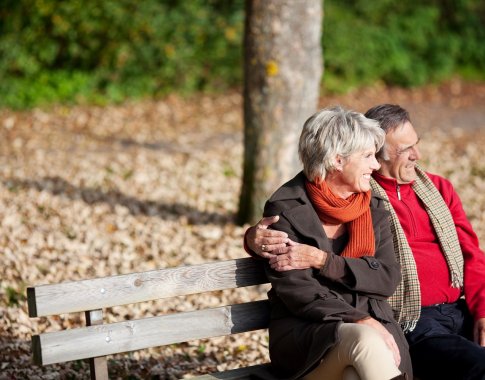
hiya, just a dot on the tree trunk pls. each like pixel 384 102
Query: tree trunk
pixel 283 68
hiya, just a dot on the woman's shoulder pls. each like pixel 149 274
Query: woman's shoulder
pixel 378 209
pixel 293 189
pixel 377 201
pixel 289 196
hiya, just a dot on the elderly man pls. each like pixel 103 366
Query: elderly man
pixel 440 302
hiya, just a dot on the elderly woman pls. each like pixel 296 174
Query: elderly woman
pixel 329 318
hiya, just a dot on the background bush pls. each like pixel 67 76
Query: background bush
pixel 402 43
pixel 86 51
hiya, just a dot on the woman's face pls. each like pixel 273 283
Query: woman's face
pixel 354 173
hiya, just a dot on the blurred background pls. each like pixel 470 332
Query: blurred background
pixel 121 145
pixel 105 51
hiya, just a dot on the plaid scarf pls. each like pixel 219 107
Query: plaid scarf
pixel 406 300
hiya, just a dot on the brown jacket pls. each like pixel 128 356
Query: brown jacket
pixel 308 305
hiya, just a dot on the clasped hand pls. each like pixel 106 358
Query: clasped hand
pixel 283 253
pixel 298 256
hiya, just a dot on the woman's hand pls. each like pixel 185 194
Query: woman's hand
pixel 298 256
pixel 386 335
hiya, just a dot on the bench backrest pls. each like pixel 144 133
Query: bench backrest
pixel 91 296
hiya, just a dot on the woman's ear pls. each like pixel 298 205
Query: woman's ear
pixel 339 163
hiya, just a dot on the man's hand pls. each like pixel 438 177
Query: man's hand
pixel 264 242
pixel 479 332
pixel 298 256
pixel 386 335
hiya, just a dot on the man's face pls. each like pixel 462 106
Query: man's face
pixel 402 153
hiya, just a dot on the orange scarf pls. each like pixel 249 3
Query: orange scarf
pixel 353 211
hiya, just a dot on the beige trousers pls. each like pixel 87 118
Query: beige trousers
pixel 360 354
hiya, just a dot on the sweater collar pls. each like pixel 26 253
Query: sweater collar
pixel 389 183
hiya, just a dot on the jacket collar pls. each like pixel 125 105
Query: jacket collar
pixel 304 218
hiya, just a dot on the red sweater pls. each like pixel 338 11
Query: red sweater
pixel 433 273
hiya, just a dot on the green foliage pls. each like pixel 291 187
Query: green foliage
pixel 98 51
pixel 108 50
pixel 402 43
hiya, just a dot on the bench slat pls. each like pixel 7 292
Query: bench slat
pixel 69 297
pixel 101 340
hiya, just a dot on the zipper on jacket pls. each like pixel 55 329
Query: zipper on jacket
pixel 398 190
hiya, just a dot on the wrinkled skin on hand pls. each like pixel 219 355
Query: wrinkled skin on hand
pixel 298 256
pixel 259 236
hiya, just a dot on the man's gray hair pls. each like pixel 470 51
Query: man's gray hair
pixel 390 117
pixel 335 131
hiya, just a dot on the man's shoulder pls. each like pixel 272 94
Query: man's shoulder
pixel 442 184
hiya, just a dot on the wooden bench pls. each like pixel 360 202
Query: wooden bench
pixel 96 340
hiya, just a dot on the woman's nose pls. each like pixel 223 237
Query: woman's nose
pixel 375 164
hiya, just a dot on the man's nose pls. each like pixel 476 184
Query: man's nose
pixel 415 153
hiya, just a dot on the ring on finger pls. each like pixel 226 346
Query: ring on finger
pixel 263 247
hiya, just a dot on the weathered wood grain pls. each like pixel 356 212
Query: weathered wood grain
pixel 69 297
pixel 106 339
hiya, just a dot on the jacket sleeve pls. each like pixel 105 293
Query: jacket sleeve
pixel 300 290
pixel 375 276
pixel 473 256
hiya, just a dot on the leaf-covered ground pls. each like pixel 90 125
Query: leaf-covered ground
pixel 89 191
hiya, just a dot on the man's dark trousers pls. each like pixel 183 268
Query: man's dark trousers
pixel 442 346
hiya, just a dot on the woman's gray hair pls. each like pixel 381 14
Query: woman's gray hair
pixel 335 131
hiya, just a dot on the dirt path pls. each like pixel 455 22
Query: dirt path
pixel 451 105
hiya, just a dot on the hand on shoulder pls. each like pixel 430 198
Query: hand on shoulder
pixel 266 242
